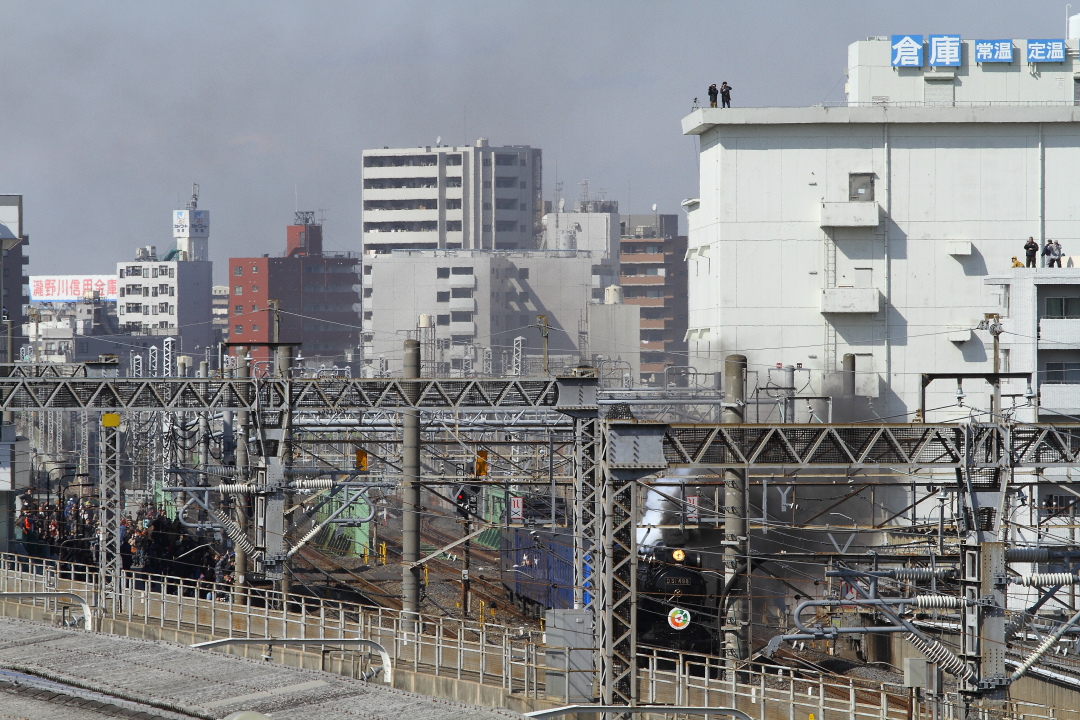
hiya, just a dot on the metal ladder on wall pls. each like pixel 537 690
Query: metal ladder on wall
pixel 829 361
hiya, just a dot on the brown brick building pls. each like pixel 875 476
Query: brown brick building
pixel 317 292
pixel 652 272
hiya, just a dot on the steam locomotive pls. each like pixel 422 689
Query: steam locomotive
pixel 675 609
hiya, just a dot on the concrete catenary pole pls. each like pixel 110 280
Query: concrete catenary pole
pixel 241 436
pixel 736 570
pixel 410 492
pixel 849 375
pixel 204 422
pixel 283 360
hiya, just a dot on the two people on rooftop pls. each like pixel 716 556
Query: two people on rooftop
pixel 724 91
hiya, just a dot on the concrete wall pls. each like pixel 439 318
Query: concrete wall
pixel 615 333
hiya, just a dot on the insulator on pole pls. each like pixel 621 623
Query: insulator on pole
pixel 1027 554
pixel 940 654
pixel 920 573
pixel 937 601
pixel 1043 579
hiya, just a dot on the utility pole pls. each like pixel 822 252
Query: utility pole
pixel 542 322
pixel 462 502
pixel 275 307
pixel 736 556
pixel 410 492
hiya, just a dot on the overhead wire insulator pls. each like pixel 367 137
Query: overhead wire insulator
pixel 943 656
pixel 1042 579
pixel 920 573
pixel 939 602
pixel 1027 554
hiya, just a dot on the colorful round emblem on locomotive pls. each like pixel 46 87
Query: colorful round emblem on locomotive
pixel 678 618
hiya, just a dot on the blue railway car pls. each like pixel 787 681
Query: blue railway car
pixel 538 569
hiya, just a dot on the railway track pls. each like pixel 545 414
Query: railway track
pixel 443 576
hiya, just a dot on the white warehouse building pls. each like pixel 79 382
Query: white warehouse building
pixel 870 228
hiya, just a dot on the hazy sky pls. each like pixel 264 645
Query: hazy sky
pixel 111 109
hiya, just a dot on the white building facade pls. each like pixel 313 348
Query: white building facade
pixel 869 228
pixel 167 297
pixel 477 303
pixel 452 198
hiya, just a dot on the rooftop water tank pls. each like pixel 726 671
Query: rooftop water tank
pixel 1074 26
pixel 613 295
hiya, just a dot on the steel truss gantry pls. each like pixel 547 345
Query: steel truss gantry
pixel 296 394
pixel 612 457
pixel 982 457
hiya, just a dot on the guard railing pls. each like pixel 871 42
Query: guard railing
pixel 488 653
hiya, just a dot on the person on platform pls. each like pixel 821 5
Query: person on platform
pixel 1016 263
pixel 725 94
pixel 713 92
pixel 1055 255
pixel 1031 250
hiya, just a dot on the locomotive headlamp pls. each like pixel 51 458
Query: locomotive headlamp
pixel 678 555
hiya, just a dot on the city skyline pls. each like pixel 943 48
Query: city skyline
pixel 115 108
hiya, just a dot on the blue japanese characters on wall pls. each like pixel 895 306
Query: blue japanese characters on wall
pixel 946 51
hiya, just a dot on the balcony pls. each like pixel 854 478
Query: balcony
pixel 1059 333
pixel 1064 398
pixel 462 328
pixel 463 281
pixel 850 214
pixel 642 279
pixel 467 304
pixel 851 300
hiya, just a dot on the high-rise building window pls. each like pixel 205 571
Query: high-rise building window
pixel 442 273
pixel 237 290
pixel 238 271
pixel 442 319
pixel 238 310
pixel 453 226
pixel 238 330
pixel 442 297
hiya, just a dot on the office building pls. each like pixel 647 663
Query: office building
pixel 652 273
pixel 452 198
pixel 316 294
pixel 15 292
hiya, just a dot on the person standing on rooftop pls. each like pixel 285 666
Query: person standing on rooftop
pixel 1031 250
pixel 725 94
pixel 713 92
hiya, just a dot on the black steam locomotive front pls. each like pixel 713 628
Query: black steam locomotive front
pixel 675 609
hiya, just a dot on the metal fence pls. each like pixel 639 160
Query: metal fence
pixel 490 654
